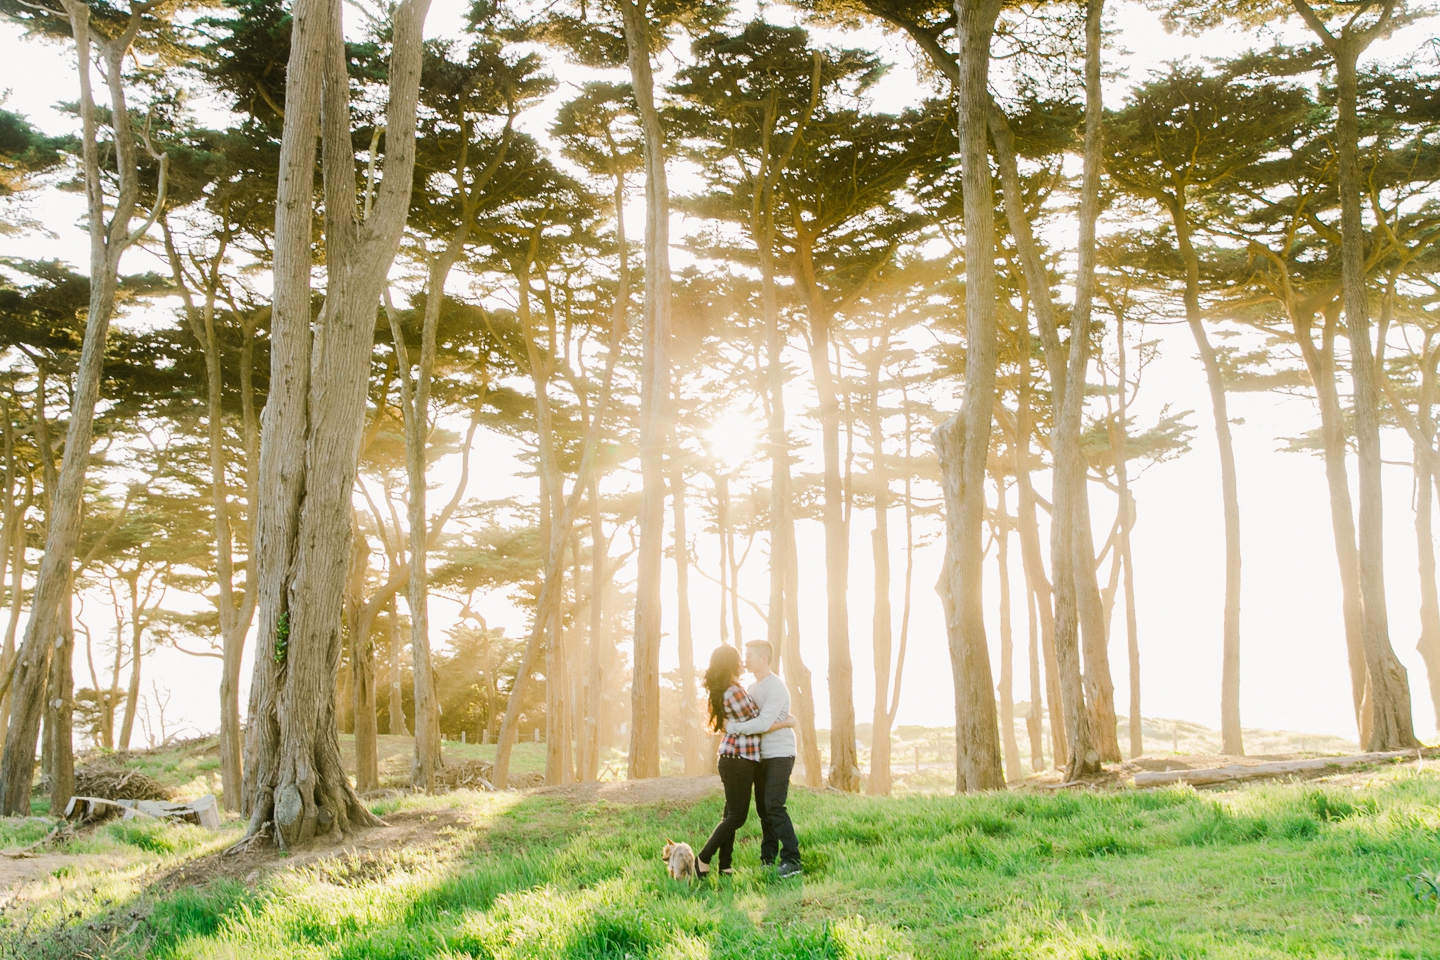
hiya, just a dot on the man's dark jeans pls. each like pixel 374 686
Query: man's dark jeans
pixel 772 788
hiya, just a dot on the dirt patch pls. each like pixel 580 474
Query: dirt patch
pixel 405 830
pixel 23 871
pixel 674 789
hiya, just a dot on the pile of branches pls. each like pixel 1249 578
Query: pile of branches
pixel 478 775
pixel 117 783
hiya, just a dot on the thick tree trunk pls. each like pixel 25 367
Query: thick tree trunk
pixel 963 442
pixel 654 394
pixel 1230 735
pixel 58 713
pixel 295 781
pixel 1392 726
pixel 109 238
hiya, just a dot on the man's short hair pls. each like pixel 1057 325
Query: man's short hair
pixel 762 647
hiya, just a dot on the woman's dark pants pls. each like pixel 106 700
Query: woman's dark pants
pixel 738 776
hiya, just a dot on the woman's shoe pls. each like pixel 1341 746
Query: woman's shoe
pixel 702 874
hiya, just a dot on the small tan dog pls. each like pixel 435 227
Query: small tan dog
pixel 680 860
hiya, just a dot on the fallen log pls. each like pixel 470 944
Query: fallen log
pixel 1258 771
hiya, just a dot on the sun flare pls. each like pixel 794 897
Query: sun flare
pixel 732 437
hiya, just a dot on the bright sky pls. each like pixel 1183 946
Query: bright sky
pixel 1294 673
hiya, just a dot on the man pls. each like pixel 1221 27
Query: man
pixel 777 760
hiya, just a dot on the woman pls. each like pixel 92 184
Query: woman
pixel 739 753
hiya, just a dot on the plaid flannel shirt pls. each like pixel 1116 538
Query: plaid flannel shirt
pixel 739 706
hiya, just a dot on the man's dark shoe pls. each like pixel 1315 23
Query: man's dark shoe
pixel 788 869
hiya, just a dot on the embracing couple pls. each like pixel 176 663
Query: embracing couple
pixel 757 754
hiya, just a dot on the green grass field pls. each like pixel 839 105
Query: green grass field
pixel 1295 870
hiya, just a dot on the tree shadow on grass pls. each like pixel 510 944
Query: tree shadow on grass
pixel 538 876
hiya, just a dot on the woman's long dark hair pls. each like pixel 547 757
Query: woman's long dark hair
pixel 724 668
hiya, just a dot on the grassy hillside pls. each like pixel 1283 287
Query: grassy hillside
pixel 1318 870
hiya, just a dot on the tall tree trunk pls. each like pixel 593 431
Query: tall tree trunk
pixel 397 726
pixel 654 394
pixel 1034 717
pixel 963 442
pixel 362 668
pixel 132 696
pixel 1321 365
pixel 1122 544
pixel 797 675
pixel 1007 642
pixel 844 759
pixel 59 710
pixel 296 784
pixel 691 736
pixel 594 666
pixel 1392 726
pixel 1429 643
pixel 1072 557
pixel 1230 735
pixel 109 238
pixel 881 627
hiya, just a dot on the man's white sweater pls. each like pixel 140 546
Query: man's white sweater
pixel 773 699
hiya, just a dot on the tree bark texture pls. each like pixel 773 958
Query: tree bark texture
pixel 654 396
pixel 296 785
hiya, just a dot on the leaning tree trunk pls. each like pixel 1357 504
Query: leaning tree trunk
pixel 296 784
pixel 109 238
pixel 963 442
pixel 1233 743
pixel 1321 365
pixel 654 394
